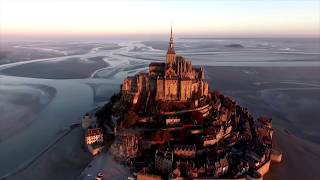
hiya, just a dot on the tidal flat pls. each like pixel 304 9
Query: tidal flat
pixel 52 90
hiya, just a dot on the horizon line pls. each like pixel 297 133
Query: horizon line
pixel 80 37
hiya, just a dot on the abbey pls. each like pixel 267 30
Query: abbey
pixel 167 125
pixel 173 80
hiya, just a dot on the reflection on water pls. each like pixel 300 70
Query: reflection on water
pixel 72 99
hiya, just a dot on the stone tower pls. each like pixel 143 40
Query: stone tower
pixel 171 54
pixel 174 80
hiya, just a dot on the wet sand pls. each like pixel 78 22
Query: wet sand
pixel 300 158
pixel 65 160
pixel 290 94
pixel 25 51
pixel 71 101
pixel 291 97
pixel 19 105
pixel 9 53
pixel 72 68
pixel 108 166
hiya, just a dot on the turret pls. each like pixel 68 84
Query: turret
pixel 202 72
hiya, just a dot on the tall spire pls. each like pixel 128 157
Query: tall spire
pixel 171 48
pixel 171 38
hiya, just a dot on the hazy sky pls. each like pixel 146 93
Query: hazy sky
pixel 214 18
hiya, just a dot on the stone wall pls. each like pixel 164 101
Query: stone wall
pixel 185 89
pixel 171 89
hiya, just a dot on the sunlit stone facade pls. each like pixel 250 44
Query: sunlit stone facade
pixel 174 80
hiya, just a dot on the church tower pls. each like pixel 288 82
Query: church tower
pixel 171 54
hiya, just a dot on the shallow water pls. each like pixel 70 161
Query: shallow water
pixel 71 100
pixel 76 96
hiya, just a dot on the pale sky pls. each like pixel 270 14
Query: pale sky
pixel 108 18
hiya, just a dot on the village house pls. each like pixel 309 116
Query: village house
pixel 93 136
pixel 177 130
pixel 144 175
pixel 88 121
pixel 185 151
pixel 172 121
pixel 94 140
pixel 217 168
pixel 163 161
pixel 221 133
pixel 129 144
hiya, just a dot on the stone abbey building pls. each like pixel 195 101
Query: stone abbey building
pixel 173 80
